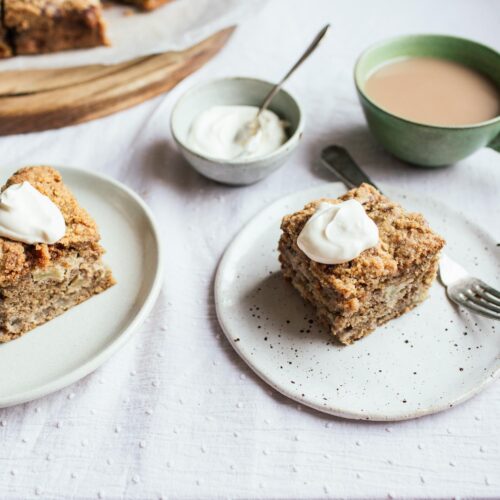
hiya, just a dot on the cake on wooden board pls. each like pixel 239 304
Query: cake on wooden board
pixel 38 26
pixel 41 26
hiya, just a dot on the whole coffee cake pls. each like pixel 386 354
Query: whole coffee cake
pixel 41 281
pixel 383 282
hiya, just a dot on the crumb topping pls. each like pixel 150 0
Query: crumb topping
pixel 16 259
pixel 405 241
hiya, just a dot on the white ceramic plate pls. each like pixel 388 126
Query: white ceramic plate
pixel 74 344
pixel 429 360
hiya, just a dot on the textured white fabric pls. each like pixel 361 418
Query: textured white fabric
pixel 176 413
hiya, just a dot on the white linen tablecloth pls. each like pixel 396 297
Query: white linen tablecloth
pixel 176 413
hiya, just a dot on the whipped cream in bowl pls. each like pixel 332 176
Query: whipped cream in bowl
pixel 338 233
pixel 30 217
pixel 206 120
pixel 214 133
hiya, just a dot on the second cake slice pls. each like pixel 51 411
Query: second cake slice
pixel 353 298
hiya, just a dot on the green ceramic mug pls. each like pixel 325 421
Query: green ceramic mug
pixel 428 145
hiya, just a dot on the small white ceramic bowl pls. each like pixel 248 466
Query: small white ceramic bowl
pixel 232 91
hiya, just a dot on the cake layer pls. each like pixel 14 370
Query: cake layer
pixel 49 291
pixel 389 300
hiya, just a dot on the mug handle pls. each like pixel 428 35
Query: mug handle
pixel 495 144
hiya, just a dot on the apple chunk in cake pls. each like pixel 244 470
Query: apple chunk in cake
pixel 353 298
pixel 40 281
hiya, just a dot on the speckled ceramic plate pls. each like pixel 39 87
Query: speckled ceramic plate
pixel 431 359
pixel 74 344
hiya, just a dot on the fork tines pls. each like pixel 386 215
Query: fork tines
pixel 480 297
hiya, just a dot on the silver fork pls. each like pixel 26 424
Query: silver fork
pixel 461 287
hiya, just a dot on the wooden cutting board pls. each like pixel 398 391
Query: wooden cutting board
pixel 36 100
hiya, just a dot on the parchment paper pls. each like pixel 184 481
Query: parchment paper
pixel 174 26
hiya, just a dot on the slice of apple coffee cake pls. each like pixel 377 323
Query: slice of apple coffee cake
pixel 50 256
pixel 360 260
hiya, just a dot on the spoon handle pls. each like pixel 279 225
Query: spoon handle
pixel 303 57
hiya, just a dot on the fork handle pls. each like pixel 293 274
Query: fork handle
pixel 341 163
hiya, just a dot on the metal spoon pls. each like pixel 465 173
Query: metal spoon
pixel 249 130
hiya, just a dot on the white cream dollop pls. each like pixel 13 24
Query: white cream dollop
pixel 28 216
pixel 213 133
pixel 338 233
